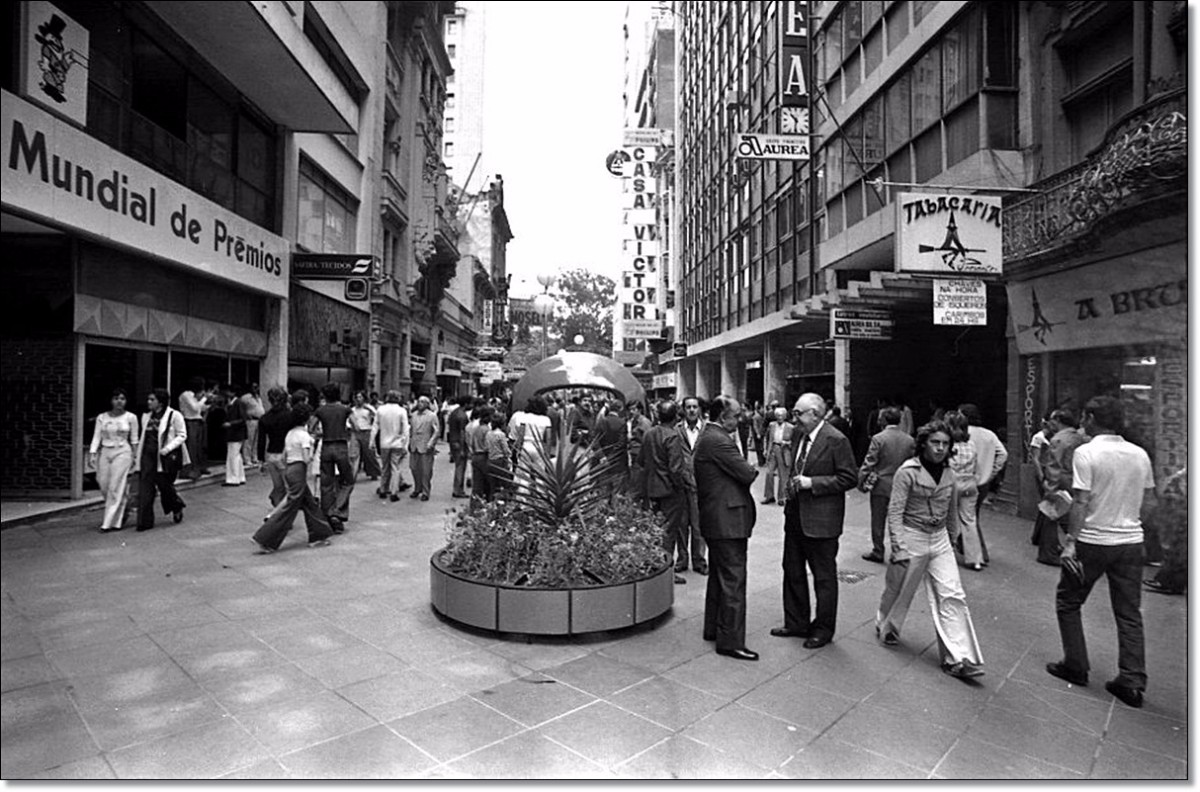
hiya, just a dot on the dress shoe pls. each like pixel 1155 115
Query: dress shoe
pixel 680 580
pixel 681 567
pixel 816 642
pixel 1061 671
pixel 962 670
pixel 320 543
pixel 424 496
pixel 381 493
pixel 1131 696
pixel 403 485
pixel 701 568
pixel 461 495
pixel 393 498
pixel 415 494
pixel 1156 586
pixel 177 516
pixel 873 557
pixel 767 500
pixel 785 632
pixel 709 637
pixel 738 654
pixel 337 525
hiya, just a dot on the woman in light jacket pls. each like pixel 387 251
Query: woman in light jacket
pixel 114 446
pixel 920 521
pixel 162 455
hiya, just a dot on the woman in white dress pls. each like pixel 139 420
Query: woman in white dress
pixel 114 445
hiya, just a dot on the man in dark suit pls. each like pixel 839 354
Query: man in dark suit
pixel 727 517
pixel 889 448
pixel 822 471
pixel 690 428
pixel 667 479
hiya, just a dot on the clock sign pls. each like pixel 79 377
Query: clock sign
pixel 793 121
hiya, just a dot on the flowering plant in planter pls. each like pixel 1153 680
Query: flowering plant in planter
pixel 562 523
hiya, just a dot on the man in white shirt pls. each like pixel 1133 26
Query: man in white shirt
pixel 1113 490
pixel 990 458
pixel 193 405
pixel 391 429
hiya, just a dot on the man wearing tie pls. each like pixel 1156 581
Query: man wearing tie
pixel 822 472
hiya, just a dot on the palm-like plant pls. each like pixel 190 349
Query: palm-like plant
pixel 576 482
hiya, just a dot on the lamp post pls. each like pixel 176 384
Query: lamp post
pixel 544 303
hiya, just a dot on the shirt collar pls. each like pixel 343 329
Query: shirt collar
pixel 812 436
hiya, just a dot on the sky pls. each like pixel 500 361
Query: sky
pixel 552 113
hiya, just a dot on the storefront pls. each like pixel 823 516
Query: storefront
pixel 117 276
pixel 327 342
pixel 1115 327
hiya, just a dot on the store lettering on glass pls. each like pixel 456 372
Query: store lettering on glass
pixel 1164 295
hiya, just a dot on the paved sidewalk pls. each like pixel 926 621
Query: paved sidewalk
pixel 177 653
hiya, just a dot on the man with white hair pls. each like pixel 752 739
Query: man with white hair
pixel 422 442
pixel 822 471
pixel 779 456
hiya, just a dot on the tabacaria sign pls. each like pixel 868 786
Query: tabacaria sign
pixel 55 172
pixel 945 234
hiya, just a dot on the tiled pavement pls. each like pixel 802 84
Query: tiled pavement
pixel 177 653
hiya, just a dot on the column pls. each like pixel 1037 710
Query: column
pixel 275 367
pixel 774 371
pixel 841 373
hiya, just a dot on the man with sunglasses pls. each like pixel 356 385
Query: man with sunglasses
pixel 822 471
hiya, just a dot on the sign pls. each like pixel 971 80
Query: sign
pixel 357 289
pixel 55 73
pixel 628 358
pixel 944 234
pixel 416 363
pixel 489 352
pixel 448 366
pixel 960 301
pixel 489 311
pixel 861 324
pixel 643 137
pixel 642 328
pixel 1129 300
pixel 666 380
pixel 491 368
pixel 116 199
pixel 751 145
pixel 614 163
pixel 792 68
pixel 332 266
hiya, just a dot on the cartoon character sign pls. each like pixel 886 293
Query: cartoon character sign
pixel 56 60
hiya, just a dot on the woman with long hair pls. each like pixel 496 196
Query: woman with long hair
pixel 964 462
pixel 162 454
pixel 920 523
pixel 114 446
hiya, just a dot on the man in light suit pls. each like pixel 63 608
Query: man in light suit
pixel 778 441
pixel 889 448
pixel 822 471
pixel 727 517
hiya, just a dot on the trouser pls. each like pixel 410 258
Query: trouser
pixel 298 499
pixel 500 479
pixel 673 508
pixel 421 463
pixel 250 447
pixel 458 455
pixel 195 447
pixel 693 531
pixel 112 474
pixel 879 508
pixel 980 496
pixel 235 472
pixel 802 554
pixel 337 480
pixel 1122 565
pixel 1049 538
pixel 150 479
pixel 758 450
pixel 725 596
pixel 362 453
pixel 775 467
pixel 636 487
pixel 481 483
pixel 276 469
pixel 970 535
pixel 390 470
pixel 932 562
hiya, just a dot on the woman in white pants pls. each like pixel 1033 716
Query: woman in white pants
pixel 114 445
pixel 920 521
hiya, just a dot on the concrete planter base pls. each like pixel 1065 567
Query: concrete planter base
pixel 541 611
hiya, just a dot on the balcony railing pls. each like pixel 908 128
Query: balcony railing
pixel 1142 154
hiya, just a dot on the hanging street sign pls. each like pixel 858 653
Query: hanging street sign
pixel 331 266
pixel 959 301
pixel 751 145
pixel 861 324
pixel 942 234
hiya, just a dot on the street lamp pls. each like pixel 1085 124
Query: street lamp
pixel 544 303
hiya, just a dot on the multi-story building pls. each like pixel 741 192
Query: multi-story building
pixel 1096 254
pixel 903 96
pixel 146 207
pixel 463 152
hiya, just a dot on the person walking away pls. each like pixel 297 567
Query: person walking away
pixel 964 464
pixel 669 481
pixel 889 448
pixel 297 453
pixel 337 474
pixel 214 422
pixel 779 457
pixel 822 471
pixel 476 442
pixel 1113 493
pixel 758 426
pixel 456 437
pixel 273 430
pixel 391 430
pixel 422 446
pixel 1057 478
pixel 992 457
pixel 499 455
pixel 253 410
pixel 920 522
pixel 235 437
pixel 362 428
pixel 193 405
pixel 162 454
pixel 113 449
pixel 637 424
pixel 727 516
pixel 689 430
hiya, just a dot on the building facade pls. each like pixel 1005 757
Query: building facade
pixel 145 208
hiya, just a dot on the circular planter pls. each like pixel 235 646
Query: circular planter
pixel 549 611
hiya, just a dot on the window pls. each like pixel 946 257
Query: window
pixel 326 213
pixel 160 86
pixel 449 125
pixel 1000 57
pixel 1100 84
pixel 960 62
pixel 962 132
pixel 452 50
pixel 897 25
pixel 449 149
pixel 927 152
pixel 451 27
pixel 926 90
pixel 896 110
pixel 449 101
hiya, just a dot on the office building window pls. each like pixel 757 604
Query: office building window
pixel 326 213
